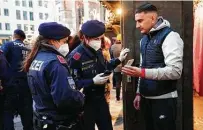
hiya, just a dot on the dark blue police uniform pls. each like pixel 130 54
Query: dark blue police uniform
pixel 3 66
pixel 53 88
pixel 15 52
pixel 18 98
pixel 58 104
pixel 3 77
pixel 85 64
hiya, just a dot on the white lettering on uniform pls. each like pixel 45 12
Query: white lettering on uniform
pixel 36 65
pixel 24 53
pixel 19 44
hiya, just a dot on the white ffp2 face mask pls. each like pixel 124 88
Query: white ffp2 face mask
pixel 64 49
pixel 95 44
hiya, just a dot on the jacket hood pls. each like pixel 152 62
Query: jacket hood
pixel 161 23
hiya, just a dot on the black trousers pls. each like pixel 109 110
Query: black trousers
pixel 159 114
pixel 1 110
pixel 97 112
pixel 117 79
pixel 18 100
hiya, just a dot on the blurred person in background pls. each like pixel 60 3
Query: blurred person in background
pixel 74 42
pixel 70 38
pixel 116 49
pixel 105 46
pixel 17 96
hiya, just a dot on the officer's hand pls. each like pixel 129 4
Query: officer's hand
pixel 123 54
pixel 98 79
pixel 136 102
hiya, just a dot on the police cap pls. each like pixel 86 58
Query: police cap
pixel 20 33
pixel 93 28
pixel 53 30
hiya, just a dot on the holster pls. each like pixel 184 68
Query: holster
pixel 43 122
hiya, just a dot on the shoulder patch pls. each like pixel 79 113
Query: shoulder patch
pixel 61 59
pixel 77 56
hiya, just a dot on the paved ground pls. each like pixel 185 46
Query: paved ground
pixel 198 113
pixel 115 108
pixel 117 114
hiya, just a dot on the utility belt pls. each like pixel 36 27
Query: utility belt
pixel 46 122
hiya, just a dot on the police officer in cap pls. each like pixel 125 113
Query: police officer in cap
pixel 18 98
pixel 57 103
pixel 3 77
pixel 88 66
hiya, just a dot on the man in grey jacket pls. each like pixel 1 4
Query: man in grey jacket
pixel 160 67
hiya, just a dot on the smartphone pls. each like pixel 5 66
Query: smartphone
pixel 130 62
pixel 106 73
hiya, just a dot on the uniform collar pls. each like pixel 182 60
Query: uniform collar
pixel 51 48
pixel 97 54
pixel 18 40
pixel 88 51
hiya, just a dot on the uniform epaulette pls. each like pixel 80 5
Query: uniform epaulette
pixel 77 56
pixel 61 59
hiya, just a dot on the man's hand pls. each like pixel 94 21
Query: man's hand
pixel 136 102
pixel 123 54
pixel 99 79
pixel 131 71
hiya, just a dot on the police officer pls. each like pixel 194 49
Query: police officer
pixel 88 66
pixel 18 98
pixel 57 103
pixel 3 76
